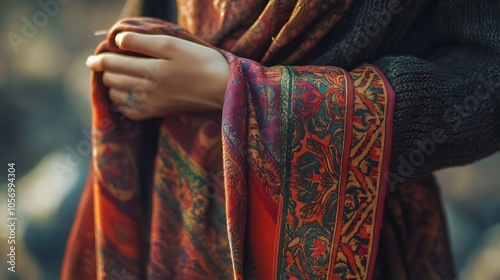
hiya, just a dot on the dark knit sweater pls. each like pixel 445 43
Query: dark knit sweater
pixel 442 58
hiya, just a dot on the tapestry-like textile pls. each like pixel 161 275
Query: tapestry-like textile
pixel 288 182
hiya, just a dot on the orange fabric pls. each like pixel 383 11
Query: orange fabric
pixel 271 32
pixel 261 234
pixel 293 148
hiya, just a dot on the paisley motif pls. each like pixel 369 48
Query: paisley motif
pixel 116 159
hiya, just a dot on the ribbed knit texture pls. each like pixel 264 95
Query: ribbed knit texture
pixel 442 59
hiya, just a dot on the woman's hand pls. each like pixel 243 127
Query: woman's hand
pixel 181 76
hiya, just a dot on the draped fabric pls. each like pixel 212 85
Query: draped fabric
pixel 289 182
pixel 414 239
pixel 271 32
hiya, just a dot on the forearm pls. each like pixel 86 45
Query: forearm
pixel 447 113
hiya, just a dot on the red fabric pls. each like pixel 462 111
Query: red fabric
pixel 271 32
pixel 287 184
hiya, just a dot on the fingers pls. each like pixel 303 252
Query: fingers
pixel 158 46
pixel 132 113
pixel 125 82
pixel 119 97
pixel 134 66
pixel 132 109
pixel 127 98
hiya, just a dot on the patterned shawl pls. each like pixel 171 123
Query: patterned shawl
pixel 288 183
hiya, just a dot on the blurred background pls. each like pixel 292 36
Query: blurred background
pixel 45 117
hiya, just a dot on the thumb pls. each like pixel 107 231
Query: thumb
pixel 157 46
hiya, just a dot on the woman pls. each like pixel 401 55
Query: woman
pixel 294 185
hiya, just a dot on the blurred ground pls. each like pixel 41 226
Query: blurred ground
pixel 45 117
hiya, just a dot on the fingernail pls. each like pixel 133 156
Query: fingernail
pixel 90 61
pixel 119 38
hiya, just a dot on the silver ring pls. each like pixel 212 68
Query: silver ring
pixel 130 99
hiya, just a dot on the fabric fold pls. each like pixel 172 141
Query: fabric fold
pixel 288 182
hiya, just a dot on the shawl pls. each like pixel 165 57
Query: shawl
pixel 289 182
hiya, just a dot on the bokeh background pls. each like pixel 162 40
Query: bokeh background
pixel 45 117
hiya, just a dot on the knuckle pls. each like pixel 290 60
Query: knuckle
pixel 105 62
pixel 167 43
pixel 140 95
pixel 127 40
pixel 149 84
pixel 106 80
pixel 113 95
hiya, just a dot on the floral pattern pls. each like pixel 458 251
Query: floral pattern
pixel 286 184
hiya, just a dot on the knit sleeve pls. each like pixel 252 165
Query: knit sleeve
pixel 447 110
